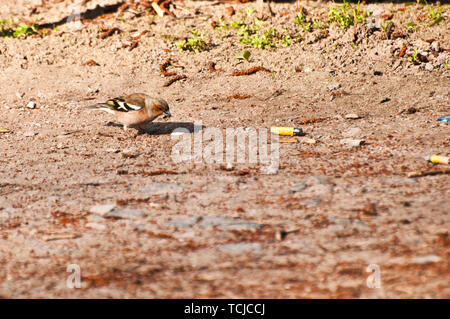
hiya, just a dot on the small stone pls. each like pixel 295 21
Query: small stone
pixel 297 187
pixel 307 70
pixel 334 86
pixel 352 142
pixel 29 133
pixel 354 131
pixel 125 213
pixel 184 222
pixel 102 209
pixel 429 67
pixel 312 203
pixel 426 259
pixel 20 95
pixel 435 46
pixel 213 221
pixel 352 116
pixel 31 105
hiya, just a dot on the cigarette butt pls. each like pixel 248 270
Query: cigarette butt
pixel 289 131
pixel 158 10
pixel 438 159
pixel 4 130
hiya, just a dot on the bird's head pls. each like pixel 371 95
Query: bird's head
pixel 160 107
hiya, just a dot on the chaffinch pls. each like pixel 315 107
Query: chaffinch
pixel 135 109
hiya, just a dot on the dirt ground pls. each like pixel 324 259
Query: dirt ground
pixel 195 230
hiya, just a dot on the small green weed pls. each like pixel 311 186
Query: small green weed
pixel 195 43
pixel 244 55
pixel 414 58
pixel 7 29
pixel 345 15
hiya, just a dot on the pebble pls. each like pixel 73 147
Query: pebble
pixel 435 46
pixel 307 70
pixel 184 222
pixel 31 105
pixel 429 67
pixel 354 131
pixel 426 259
pixel 352 142
pixel 334 86
pixel 352 116
pixel 125 213
pixel 240 247
pixel 29 133
pixel 297 187
pixel 102 209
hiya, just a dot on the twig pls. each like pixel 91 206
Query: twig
pixel 174 79
pixel 250 71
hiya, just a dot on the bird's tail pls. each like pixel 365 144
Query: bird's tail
pixel 102 107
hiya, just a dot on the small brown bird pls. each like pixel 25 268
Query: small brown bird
pixel 135 109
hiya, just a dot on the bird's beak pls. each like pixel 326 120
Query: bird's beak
pixel 167 114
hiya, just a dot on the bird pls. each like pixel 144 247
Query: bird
pixel 135 109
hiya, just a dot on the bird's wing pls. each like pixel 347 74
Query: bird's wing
pixel 133 102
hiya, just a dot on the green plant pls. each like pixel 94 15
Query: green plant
pixel 250 11
pixel 300 19
pixel 411 25
pixel 244 55
pixel 222 25
pixel 447 64
pixel 434 15
pixel 414 58
pixel 7 29
pixel 286 39
pixel 195 43
pixel 345 15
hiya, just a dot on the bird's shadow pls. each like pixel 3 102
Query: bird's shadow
pixel 165 128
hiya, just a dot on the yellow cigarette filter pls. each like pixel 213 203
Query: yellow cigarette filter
pixel 290 131
pixel 438 159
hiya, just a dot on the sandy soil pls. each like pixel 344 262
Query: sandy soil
pixel 208 230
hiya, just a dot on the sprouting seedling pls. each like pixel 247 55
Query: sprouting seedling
pixel 346 16
pixel 22 29
pixel 414 58
pixel 385 27
pixel 411 25
pixel 195 43
pixel 250 11
pixel 435 15
pixel 244 55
